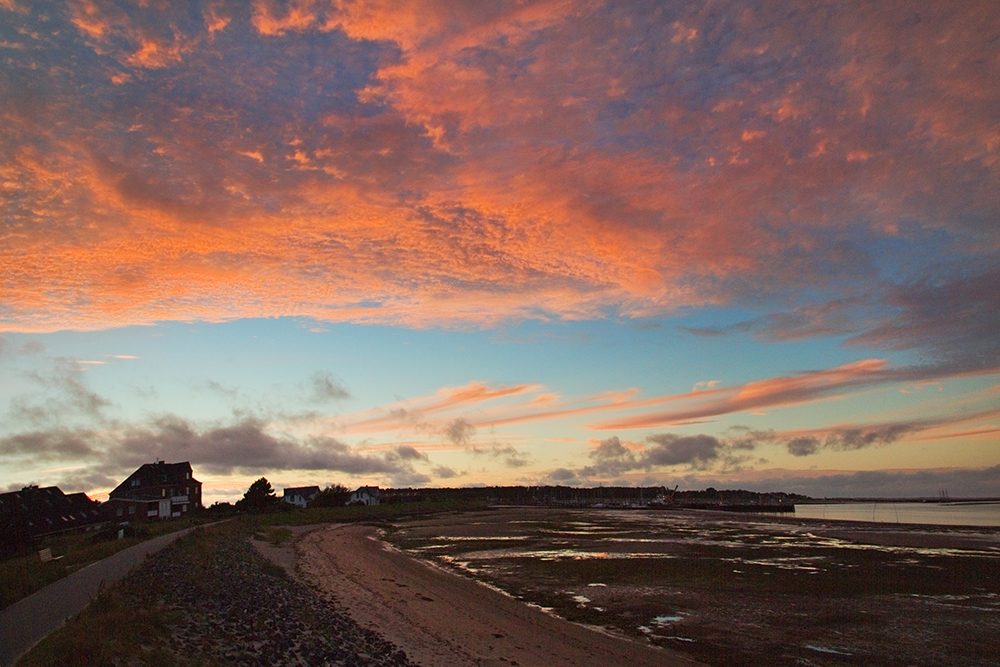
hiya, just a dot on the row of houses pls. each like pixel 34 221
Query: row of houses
pixel 301 496
pixel 155 491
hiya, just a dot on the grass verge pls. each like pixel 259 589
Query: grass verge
pixel 23 575
pixel 125 625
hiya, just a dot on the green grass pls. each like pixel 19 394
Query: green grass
pixel 22 576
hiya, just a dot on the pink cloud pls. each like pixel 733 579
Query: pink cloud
pixel 768 393
pixel 466 164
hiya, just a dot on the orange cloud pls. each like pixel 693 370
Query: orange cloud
pixel 465 163
pixel 769 393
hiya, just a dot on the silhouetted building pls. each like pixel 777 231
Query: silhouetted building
pixel 33 512
pixel 156 491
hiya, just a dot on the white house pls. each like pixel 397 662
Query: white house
pixel 300 495
pixel 365 495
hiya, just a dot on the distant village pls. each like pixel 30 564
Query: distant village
pixel 163 491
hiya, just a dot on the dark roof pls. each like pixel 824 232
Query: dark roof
pixel 35 511
pixel 155 475
pixel 302 491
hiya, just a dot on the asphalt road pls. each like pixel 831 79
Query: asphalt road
pixel 27 622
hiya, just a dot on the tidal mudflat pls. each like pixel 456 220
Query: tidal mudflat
pixel 738 589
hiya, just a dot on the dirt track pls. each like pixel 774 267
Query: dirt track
pixel 440 618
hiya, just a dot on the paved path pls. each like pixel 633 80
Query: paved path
pixel 27 622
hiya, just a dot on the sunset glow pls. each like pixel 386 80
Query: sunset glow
pixel 419 242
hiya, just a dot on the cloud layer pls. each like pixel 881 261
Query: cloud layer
pixel 448 163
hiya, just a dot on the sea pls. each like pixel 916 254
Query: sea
pixel 941 514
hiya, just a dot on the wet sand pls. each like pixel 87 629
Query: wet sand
pixel 442 619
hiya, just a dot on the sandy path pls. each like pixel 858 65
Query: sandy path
pixel 442 619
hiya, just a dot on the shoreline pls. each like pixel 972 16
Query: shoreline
pixel 759 590
pixel 441 618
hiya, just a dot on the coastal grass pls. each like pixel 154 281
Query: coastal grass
pixel 124 625
pixel 23 575
pixel 112 630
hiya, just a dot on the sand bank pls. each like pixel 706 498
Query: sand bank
pixel 442 619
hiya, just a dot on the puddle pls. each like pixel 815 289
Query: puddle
pixel 661 621
pixel 823 649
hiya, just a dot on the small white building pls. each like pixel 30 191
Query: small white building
pixel 366 495
pixel 300 495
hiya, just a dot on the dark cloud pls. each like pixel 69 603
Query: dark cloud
pixel 244 447
pixel 668 449
pixel 248 448
pixel 444 472
pixel 326 387
pixel 48 445
pixel 611 458
pixel 952 317
pixel 863 438
pixel 699 452
pixel 505 453
pixel 460 431
pixel 563 476
pixel 408 453
pixel 853 438
pixel 804 446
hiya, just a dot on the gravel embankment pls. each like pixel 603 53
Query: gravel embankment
pixel 230 606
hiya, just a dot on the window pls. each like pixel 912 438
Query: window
pixel 131 509
pixel 119 511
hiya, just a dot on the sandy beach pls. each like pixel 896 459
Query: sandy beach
pixel 681 588
pixel 442 619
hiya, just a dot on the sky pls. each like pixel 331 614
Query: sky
pixel 451 243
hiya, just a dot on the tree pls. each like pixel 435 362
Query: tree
pixel 335 495
pixel 259 497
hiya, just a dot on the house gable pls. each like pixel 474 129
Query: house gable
pixel 300 495
pixel 163 490
pixel 366 495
